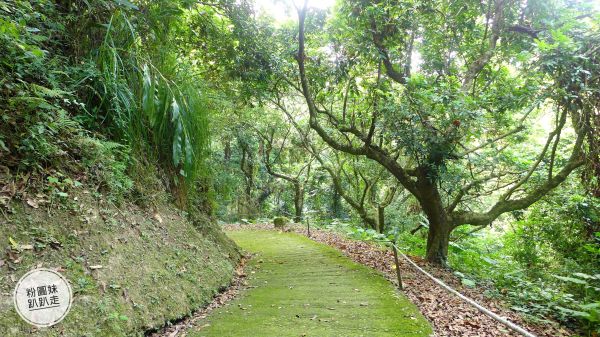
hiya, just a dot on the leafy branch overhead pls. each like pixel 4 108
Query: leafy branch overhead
pixel 414 123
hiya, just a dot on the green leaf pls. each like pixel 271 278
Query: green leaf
pixel 590 306
pixel 468 283
pixel 126 4
pixel 490 261
pixel 13 243
pixel 147 91
pixel 570 279
pixel 174 110
pixel 9 28
pixel 37 52
pixel 583 276
pixel 3 146
pixel 575 313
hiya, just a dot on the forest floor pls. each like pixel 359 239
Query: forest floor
pixel 297 287
pixel 294 286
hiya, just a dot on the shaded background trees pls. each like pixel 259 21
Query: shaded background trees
pixel 424 127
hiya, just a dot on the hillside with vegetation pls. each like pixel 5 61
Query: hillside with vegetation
pixel 466 134
pixel 102 169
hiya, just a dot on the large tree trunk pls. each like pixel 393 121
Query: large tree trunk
pixel 439 226
pixel 370 221
pixel 298 202
pixel 437 243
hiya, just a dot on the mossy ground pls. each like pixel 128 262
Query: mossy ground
pixel 301 288
pixel 152 270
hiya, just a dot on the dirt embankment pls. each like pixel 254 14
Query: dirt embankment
pixel 131 268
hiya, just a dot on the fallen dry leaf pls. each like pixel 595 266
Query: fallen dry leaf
pixel 32 203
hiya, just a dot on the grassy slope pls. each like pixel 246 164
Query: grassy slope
pixel 302 288
pixel 152 271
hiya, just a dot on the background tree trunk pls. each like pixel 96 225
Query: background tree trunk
pixel 298 202
pixel 380 219
pixel 336 204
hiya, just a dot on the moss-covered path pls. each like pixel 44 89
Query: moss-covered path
pixel 298 287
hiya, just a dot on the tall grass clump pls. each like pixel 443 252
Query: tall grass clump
pixel 144 99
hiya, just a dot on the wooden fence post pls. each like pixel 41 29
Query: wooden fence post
pixel 397 266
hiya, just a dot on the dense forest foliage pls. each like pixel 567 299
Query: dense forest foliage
pixel 468 132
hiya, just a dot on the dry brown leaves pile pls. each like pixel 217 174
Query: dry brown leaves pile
pixel 181 328
pixel 449 315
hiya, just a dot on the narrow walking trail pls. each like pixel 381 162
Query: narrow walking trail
pixel 297 287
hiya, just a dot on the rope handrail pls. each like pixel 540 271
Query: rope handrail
pixel 472 302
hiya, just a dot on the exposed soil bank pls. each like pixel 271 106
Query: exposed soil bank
pixel 131 268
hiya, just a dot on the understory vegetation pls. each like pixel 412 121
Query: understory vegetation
pixel 103 138
pixel 465 131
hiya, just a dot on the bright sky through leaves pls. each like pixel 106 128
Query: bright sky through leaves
pixel 282 10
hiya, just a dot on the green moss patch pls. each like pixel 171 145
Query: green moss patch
pixel 298 287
